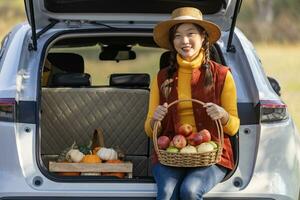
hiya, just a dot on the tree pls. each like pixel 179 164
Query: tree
pixel 265 10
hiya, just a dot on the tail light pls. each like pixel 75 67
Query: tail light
pixel 272 111
pixel 7 109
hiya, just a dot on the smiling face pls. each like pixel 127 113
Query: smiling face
pixel 188 41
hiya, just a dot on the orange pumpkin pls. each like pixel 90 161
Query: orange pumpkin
pixel 114 161
pixel 91 159
pixel 68 173
pixel 95 150
pixel 117 174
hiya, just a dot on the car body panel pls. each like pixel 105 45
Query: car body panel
pixel 260 173
pixel 8 75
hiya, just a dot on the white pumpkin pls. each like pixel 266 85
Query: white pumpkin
pixel 107 154
pixel 74 155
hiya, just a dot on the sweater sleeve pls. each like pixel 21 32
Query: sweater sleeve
pixel 153 103
pixel 229 103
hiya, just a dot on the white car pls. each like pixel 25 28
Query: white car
pixel 105 58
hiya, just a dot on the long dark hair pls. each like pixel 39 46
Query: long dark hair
pixel 208 80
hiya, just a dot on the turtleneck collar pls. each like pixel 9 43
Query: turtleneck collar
pixel 187 66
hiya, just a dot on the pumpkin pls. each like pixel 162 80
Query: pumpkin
pixel 91 159
pixel 95 150
pixel 68 173
pixel 117 174
pixel 74 155
pixel 107 154
pixel 114 161
pixel 62 157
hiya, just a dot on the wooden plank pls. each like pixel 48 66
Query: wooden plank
pixel 126 167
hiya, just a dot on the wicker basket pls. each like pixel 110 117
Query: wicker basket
pixel 189 159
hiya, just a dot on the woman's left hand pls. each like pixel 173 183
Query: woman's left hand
pixel 216 112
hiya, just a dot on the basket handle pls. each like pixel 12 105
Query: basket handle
pixel 157 124
pixel 98 138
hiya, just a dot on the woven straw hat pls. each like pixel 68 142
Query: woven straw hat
pixel 184 15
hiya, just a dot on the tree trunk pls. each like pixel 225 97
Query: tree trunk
pixel 265 12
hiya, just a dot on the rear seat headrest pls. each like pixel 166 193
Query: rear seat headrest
pixel 71 80
pixel 68 62
pixel 130 80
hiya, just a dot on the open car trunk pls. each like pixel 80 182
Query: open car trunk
pixel 84 94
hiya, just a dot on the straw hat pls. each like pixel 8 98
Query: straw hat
pixel 184 15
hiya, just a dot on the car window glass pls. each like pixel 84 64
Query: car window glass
pixel 147 61
pixel 2 48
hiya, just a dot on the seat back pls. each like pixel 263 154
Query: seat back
pixel 71 80
pixel 68 62
pixel 126 80
pixel 67 70
pixel 72 114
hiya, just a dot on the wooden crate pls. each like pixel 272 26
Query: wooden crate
pixel 125 167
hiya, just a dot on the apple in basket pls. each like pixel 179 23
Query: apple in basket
pixel 172 149
pixel 194 139
pixel 206 137
pixel 205 147
pixel 179 141
pixel 163 142
pixel 185 130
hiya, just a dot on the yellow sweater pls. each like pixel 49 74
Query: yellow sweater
pixel 185 111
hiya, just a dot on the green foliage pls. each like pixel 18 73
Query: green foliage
pixel 290 7
pixel 277 23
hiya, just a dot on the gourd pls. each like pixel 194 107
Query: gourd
pixel 74 155
pixel 95 150
pixel 107 154
pixel 91 159
pixel 68 173
pixel 117 174
pixel 63 155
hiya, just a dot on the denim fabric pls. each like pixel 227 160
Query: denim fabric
pixel 186 183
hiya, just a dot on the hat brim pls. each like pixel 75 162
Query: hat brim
pixel 161 31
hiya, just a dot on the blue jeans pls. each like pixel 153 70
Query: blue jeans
pixel 186 183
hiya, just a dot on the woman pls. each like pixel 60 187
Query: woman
pixel 191 74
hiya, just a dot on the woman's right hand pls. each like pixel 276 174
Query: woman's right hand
pixel 159 113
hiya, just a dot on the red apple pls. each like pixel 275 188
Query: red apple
pixel 194 139
pixel 163 142
pixel 206 137
pixel 171 144
pixel 179 141
pixel 185 130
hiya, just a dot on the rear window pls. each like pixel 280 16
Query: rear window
pixel 3 47
pixel 130 6
pixel 147 61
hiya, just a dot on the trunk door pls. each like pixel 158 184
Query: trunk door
pixel 40 13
